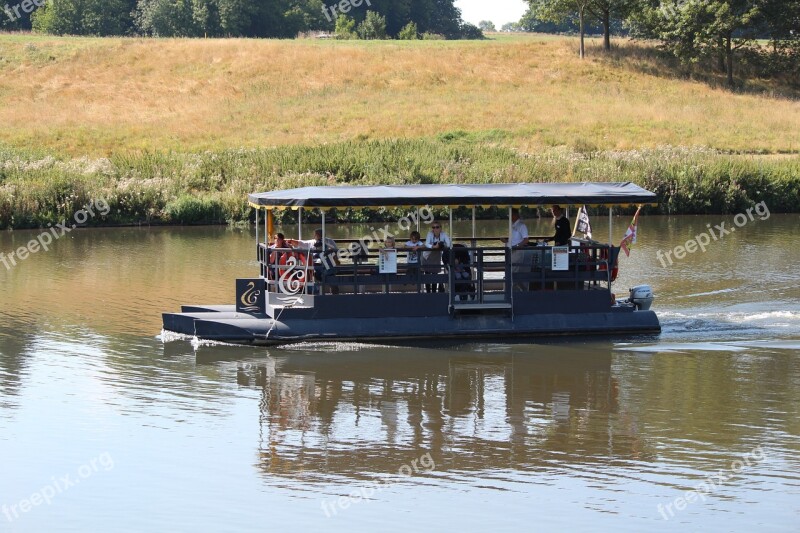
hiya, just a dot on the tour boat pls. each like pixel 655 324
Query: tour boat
pixel 491 291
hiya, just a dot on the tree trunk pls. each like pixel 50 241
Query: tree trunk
pixel 580 17
pixel 721 55
pixel 729 57
pixel 607 30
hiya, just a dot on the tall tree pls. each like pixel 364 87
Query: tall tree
pixel 562 10
pixel 606 11
pixel 171 18
pixel 694 29
pixel 84 17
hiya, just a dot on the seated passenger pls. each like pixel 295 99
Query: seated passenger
pixel 325 257
pixel 462 273
pixel 275 257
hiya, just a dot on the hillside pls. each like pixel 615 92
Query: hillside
pixel 84 96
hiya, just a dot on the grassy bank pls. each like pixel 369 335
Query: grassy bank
pixel 210 187
pixel 94 97
pixel 180 130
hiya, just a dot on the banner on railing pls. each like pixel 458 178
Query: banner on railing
pixel 387 261
pixel 560 258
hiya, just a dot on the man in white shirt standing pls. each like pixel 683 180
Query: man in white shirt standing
pixel 520 258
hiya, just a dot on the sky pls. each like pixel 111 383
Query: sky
pixel 498 11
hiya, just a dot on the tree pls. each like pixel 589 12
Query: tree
pixel 437 17
pixel 167 18
pixel 486 25
pixel 694 29
pixel 84 17
pixel 584 12
pixel 239 18
pixel 511 26
pixel 373 26
pixel 605 11
pixel 560 11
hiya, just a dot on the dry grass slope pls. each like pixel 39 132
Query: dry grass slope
pixel 86 96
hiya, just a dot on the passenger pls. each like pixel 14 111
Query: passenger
pixel 462 273
pixel 413 245
pixel 275 257
pixel 325 258
pixel 563 231
pixel 359 252
pixel 438 244
pixel 389 242
pixel 521 259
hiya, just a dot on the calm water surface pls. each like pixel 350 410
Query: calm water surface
pixel 104 427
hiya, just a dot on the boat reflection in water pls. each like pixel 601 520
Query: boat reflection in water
pixel 486 407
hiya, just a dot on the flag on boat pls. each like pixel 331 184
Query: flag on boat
pixel 583 224
pixel 630 235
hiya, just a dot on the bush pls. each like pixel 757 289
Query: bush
pixel 427 36
pixel 345 28
pixel 373 27
pixel 409 32
pixel 471 32
pixel 194 210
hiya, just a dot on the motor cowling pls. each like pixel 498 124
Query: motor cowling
pixel 642 297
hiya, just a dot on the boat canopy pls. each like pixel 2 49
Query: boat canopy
pixel 455 195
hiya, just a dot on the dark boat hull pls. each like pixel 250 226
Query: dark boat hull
pixel 414 322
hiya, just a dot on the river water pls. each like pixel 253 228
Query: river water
pixel 104 427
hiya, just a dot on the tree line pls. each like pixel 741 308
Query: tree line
pixel 232 18
pixel 713 33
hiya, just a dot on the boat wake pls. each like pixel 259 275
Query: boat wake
pixel 735 325
pixel 170 336
pixel 330 346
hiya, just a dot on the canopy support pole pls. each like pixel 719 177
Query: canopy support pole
pixel 300 224
pixel 452 233
pixel 323 255
pixel 473 227
pixel 256 227
pixel 269 226
pixel 610 222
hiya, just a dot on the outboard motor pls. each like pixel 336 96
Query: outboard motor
pixel 642 297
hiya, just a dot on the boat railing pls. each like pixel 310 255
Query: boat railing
pixel 476 274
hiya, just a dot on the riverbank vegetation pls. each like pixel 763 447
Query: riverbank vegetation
pixel 211 187
pixel 180 130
